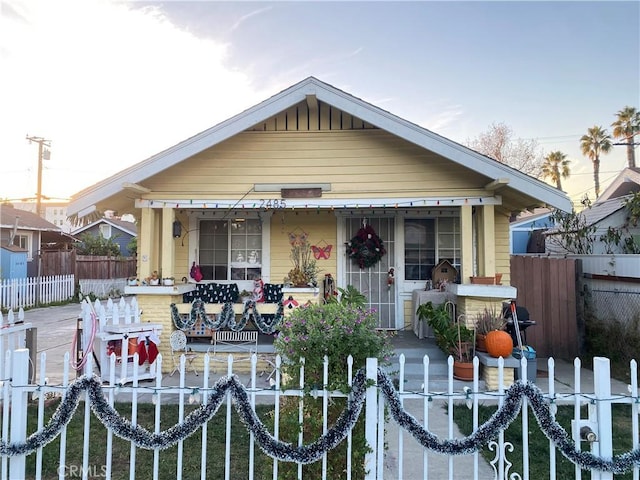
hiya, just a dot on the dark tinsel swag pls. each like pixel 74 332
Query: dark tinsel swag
pixel 227 317
pixel 312 452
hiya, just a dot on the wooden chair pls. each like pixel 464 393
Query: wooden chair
pixel 178 342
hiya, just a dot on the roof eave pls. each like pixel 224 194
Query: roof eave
pixel 411 132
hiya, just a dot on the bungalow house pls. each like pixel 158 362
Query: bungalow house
pixel 120 231
pixel 609 218
pixel 315 163
pixel 31 233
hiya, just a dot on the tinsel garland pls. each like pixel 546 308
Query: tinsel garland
pixel 312 452
pixel 366 247
pixel 180 322
pixel 500 421
pixel 227 317
pixel 143 438
pixel 266 327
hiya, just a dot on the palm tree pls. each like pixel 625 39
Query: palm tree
pixel 556 166
pixel 626 127
pixel 595 142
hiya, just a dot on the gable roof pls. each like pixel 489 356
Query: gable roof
pixel 601 210
pixel 312 87
pixel 531 218
pixel 627 181
pixel 11 217
pixel 122 225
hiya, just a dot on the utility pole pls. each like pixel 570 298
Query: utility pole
pixel 43 153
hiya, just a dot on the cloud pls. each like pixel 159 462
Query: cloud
pixel 109 85
pixel 242 19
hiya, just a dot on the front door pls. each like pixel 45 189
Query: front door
pixel 373 281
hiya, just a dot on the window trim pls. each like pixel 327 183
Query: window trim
pixel 194 239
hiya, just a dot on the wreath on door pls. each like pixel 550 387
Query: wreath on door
pixel 366 247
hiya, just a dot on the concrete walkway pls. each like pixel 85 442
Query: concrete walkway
pixel 57 325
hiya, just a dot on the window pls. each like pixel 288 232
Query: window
pixel 427 241
pixel 21 241
pixel 105 231
pixel 24 242
pixel 231 249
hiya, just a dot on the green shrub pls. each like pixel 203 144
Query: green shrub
pixel 336 330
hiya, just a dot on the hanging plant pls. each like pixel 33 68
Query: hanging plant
pixel 366 248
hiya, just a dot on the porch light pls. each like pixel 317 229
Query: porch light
pixel 177 229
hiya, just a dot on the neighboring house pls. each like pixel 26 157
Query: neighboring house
pixel 54 212
pixel 608 214
pixel 527 231
pixel 120 231
pixel 31 233
pixel 316 161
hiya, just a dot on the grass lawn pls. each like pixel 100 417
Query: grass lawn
pixel 539 444
pixel 144 458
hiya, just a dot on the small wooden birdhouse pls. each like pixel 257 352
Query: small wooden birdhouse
pixel 444 271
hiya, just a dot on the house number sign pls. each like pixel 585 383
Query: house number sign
pixel 275 204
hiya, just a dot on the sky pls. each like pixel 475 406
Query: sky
pixel 113 83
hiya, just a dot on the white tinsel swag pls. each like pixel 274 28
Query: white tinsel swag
pixel 312 452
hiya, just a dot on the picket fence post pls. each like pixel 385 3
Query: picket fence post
pixel 371 420
pixel 18 430
pixel 603 446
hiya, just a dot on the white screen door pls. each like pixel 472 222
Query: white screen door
pixel 372 282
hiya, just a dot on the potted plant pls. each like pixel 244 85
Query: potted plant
pixel 487 321
pixel 245 295
pixel 453 337
pixel 462 351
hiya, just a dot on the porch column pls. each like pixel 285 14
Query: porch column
pixel 145 242
pixel 167 242
pixel 466 239
pixel 487 265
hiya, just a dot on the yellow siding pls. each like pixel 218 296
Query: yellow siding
pixel 503 260
pixel 181 264
pixel 357 164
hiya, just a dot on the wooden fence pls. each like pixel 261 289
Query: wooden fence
pixel 87 266
pixel 549 289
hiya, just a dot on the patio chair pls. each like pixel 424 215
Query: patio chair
pixel 178 342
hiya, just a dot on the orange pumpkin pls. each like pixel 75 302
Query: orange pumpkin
pixel 499 344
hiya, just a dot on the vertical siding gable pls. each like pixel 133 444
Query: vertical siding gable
pixel 300 118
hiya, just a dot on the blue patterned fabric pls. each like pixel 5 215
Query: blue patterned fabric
pixel 213 293
pixel 272 292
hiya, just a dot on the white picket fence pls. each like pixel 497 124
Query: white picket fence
pixel 33 291
pixel 410 447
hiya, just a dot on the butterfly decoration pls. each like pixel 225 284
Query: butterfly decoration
pixel 296 238
pixel 321 252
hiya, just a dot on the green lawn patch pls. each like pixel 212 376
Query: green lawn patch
pixel 539 444
pixel 144 458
